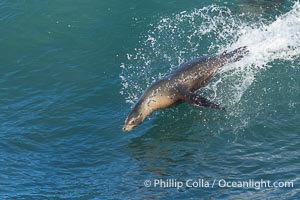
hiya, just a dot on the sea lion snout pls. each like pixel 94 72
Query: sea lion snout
pixel 127 127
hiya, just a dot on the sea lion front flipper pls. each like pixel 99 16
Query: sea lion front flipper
pixel 196 100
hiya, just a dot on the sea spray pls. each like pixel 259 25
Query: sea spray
pixel 172 41
pixel 279 40
pixel 213 29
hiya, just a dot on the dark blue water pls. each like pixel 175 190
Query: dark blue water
pixel 71 71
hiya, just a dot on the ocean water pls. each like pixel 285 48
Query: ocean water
pixel 72 70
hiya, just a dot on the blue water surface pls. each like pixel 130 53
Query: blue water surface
pixel 62 112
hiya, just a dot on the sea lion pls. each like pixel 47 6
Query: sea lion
pixel 180 86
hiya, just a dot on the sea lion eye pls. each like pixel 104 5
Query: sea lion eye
pixel 132 121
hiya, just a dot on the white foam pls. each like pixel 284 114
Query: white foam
pixel 279 40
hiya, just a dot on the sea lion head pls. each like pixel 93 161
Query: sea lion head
pixel 135 117
pixel 154 98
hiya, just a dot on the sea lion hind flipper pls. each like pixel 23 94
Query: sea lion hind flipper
pixel 236 54
pixel 196 100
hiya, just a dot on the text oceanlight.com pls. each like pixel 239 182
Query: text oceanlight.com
pixel 221 183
